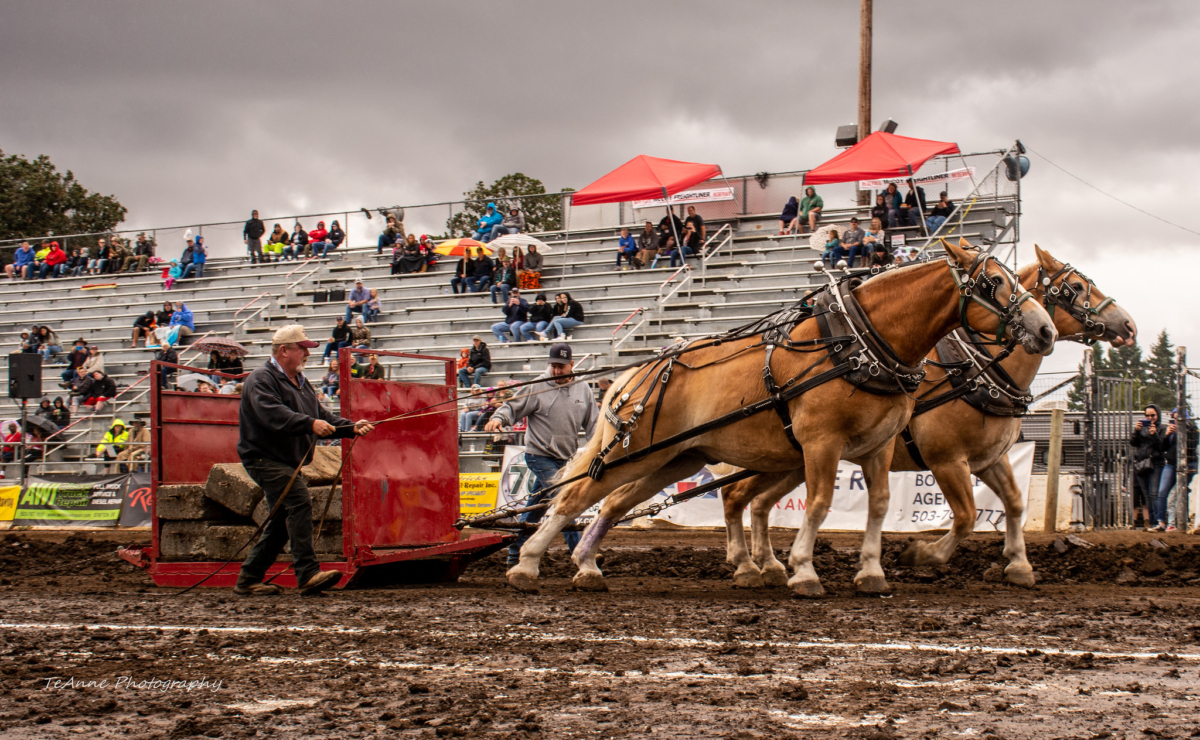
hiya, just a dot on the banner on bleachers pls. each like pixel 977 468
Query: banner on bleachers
pixel 516 480
pixel 85 501
pixel 477 493
pixel 916 503
pixel 959 174
pixel 707 195
pixel 8 502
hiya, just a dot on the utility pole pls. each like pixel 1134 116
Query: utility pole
pixel 864 83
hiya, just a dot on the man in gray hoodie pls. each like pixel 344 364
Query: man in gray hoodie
pixel 555 411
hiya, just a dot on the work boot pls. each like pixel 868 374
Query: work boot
pixel 326 579
pixel 257 589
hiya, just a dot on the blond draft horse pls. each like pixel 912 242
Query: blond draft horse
pixel 955 440
pixel 910 307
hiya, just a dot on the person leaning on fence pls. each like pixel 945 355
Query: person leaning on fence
pixel 252 234
pixel 531 270
pixel 279 421
pixel 556 411
pixel 479 363
pixel 516 314
pixel 1146 439
pixel 137 446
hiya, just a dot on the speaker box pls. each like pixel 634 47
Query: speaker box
pixel 320 296
pixel 846 136
pixel 24 375
pixel 337 295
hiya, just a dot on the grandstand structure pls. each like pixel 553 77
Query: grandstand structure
pixel 747 270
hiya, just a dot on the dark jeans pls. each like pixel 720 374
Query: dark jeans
pixel 543 469
pixel 293 521
pixel 1147 482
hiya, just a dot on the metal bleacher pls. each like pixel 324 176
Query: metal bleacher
pixel 747 271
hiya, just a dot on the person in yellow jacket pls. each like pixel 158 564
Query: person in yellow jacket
pixel 114 441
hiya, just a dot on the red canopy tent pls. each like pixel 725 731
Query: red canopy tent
pixel 645 178
pixel 880 155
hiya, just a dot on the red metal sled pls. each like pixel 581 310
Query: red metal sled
pixel 400 498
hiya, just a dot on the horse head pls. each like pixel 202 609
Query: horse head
pixel 993 301
pixel 1081 311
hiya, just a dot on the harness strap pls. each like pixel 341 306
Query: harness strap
pixel 910 444
pixel 781 407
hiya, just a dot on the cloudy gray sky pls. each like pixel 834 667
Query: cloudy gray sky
pixel 198 111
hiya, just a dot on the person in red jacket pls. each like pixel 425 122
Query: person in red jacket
pixel 52 265
pixel 316 238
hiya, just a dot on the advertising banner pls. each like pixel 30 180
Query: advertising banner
pixel 959 174
pixel 515 482
pixel 136 506
pixel 78 501
pixel 916 503
pixel 477 493
pixel 8 502
pixel 707 195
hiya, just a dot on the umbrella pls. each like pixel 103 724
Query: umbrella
pixel 458 247
pixel 42 423
pixel 191 381
pixel 224 346
pixel 519 240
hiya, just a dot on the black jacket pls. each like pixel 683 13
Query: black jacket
pixel 253 229
pixel 911 199
pixel 1146 445
pixel 1170 450
pixel 276 418
pixel 544 312
pixel 574 310
pixel 481 357
pixel 341 333
pixel 103 388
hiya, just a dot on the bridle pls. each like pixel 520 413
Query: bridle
pixel 1065 295
pixel 975 285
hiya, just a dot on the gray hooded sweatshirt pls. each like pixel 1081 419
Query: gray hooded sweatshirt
pixel 554 413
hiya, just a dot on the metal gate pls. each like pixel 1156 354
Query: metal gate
pixel 1107 482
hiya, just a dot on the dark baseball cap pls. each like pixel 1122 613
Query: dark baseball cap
pixel 560 354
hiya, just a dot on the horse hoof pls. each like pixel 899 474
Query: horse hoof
pixel 910 556
pixel 807 589
pixel 589 581
pixel 775 577
pixel 752 579
pixel 522 581
pixel 872 585
pixel 1020 574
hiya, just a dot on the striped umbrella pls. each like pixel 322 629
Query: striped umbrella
pixel 458 247
pixel 224 346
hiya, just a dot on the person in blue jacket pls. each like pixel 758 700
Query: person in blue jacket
pixel 22 262
pixel 199 255
pixel 791 210
pixel 183 319
pixel 490 218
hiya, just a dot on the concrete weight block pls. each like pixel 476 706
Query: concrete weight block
pixel 186 502
pixel 181 540
pixel 324 467
pixel 223 542
pixel 231 486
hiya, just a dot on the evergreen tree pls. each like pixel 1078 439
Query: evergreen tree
pixel 1078 390
pixel 541 214
pixel 1160 372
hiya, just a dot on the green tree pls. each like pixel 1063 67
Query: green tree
pixel 37 200
pixel 1160 373
pixel 541 214
pixel 1078 390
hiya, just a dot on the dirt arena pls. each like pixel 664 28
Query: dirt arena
pixel 1107 646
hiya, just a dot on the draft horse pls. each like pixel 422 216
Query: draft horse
pixel 958 428
pixel 848 358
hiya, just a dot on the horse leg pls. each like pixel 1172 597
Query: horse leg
pixel 617 505
pixel 955 481
pixel 999 478
pixel 773 572
pixel 870 578
pixel 734 499
pixel 820 470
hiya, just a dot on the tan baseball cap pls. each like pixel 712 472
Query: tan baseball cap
pixel 293 334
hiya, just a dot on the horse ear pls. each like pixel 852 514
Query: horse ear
pixel 960 255
pixel 1046 259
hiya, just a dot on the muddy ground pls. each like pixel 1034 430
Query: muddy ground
pixel 1107 646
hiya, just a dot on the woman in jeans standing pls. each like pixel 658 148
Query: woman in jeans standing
pixel 1147 443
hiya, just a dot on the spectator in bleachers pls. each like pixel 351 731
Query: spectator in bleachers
pixel 97 257
pixel 892 199
pixel 222 364
pixel 876 241
pixel 137 448
pixel 358 298
pixel 666 249
pixel 518 260
pixel 29 343
pixel 484 267
pixel 360 335
pixel 811 206
pixel 791 211
pixel 513 223
pixel 12 436
pixel 568 314
pixel 252 234
pixel 852 242
pixel 199 257
pixel 464 356
pixel 114 442
pixel 55 262
pixel 462 272
pixel 163 317
pixel 833 249
pixel 516 314
pixel 119 254
pixel 60 414
pixel 427 248
pixel 75 359
pixel 479 363
pixel 939 213
pixel 531 270
pixel 166 353
pixel 48 343
pixel 298 243
pixel 880 209
pixel 44 410
pixel 332 380
pixel 185 259
pixel 22 265
pixel 39 258
pixel 626 248
pixel 504 279
pixel 540 316
pixel 338 339
pixel 75 265
pixel 372 308
pixel 695 222
pixel 392 233
pixel 913 208
pixel 275 244
pixel 490 218
pixel 317 240
pixel 408 258
pixel 371 371
pixel 183 319
pixel 143 250
pixel 95 390
pixel 143 328
pixel 669 226
pixel 475 403
pixel 171 273
pixel 647 246
pixel 94 362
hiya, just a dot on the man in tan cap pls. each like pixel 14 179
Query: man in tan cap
pixel 279 420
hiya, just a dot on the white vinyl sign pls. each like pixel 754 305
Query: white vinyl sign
pixel 708 195
pixel 960 174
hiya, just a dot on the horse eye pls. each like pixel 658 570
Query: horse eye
pixel 1077 286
